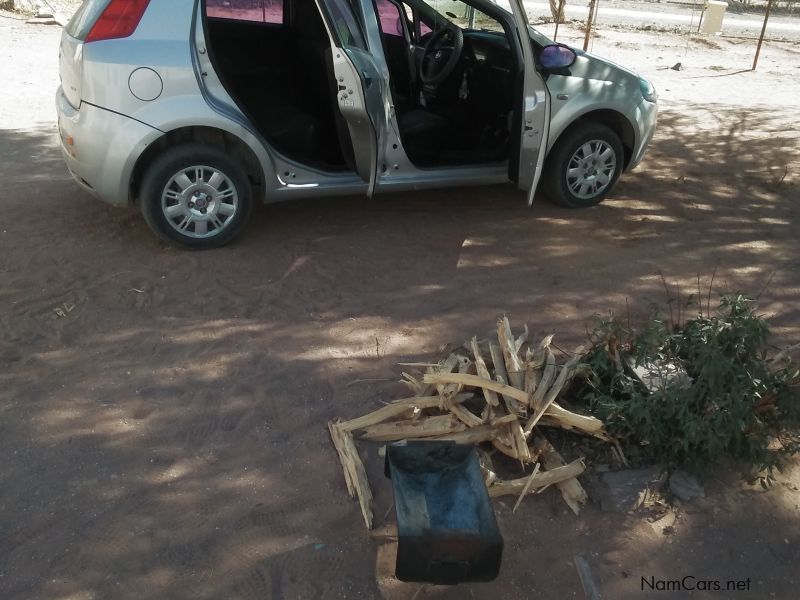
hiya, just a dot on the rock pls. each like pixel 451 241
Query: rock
pixel 658 376
pixel 622 491
pixel 685 486
pixel 677 67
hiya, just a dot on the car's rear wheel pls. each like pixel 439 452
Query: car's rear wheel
pixel 195 196
pixel 583 167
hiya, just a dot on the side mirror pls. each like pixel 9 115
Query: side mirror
pixel 557 56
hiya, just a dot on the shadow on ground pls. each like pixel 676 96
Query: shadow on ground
pixel 162 412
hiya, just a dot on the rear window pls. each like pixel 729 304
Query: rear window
pixel 84 18
pixel 258 11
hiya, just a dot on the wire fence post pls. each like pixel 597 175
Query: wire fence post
pixel 588 26
pixel 761 37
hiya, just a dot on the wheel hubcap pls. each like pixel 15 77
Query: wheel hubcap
pixel 591 169
pixel 199 201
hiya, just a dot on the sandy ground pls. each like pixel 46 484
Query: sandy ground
pixel 162 413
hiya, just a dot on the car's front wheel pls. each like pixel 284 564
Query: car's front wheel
pixel 583 166
pixel 195 196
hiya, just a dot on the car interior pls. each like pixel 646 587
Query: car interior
pixel 452 86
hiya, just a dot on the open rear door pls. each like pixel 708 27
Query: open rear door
pixel 361 96
pixel 535 105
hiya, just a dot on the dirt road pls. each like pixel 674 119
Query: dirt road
pixel 162 413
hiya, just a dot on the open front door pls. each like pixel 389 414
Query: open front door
pixel 361 89
pixel 535 105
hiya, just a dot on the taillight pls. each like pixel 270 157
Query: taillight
pixel 119 20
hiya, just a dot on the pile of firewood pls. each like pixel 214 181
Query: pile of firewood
pixel 500 394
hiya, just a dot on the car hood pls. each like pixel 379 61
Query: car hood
pixel 589 66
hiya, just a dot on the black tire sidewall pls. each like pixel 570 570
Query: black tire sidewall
pixel 554 181
pixel 170 162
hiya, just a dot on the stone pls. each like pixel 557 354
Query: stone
pixel 659 376
pixel 685 486
pixel 622 491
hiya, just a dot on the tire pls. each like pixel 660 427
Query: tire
pixel 583 167
pixel 195 196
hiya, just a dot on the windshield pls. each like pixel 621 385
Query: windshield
pixel 463 15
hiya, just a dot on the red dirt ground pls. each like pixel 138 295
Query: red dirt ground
pixel 162 413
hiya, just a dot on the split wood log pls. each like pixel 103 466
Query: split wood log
pixel 395 409
pixel 521 339
pixel 416 386
pixel 567 371
pixel 462 364
pixel 483 371
pixel 542 479
pixel 472 435
pixel 501 376
pixel 535 365
pixel 465 416
pixel 546 381
pixel 421 428
pixel 355 477
pixel 526 488
pixel 479 382
pixel 507 344
pixel 519 442
pixel 503 443
pixel 571 489
pixel 481 433
pixel 566 419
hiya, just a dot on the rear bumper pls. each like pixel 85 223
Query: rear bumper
pixel 101 147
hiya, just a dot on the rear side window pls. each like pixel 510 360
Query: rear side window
pixel 85 17
pixel 258 11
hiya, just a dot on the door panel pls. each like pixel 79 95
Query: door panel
pixel 360 81
pixel 535 111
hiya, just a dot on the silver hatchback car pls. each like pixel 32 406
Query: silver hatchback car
pixel 195 109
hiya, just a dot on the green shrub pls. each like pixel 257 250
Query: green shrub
pixel 738 405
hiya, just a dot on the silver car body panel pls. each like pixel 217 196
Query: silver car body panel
pixel 535 110
pixel 111 127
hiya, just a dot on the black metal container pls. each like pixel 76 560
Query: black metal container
pixel 446 527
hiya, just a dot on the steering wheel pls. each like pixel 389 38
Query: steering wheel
pixel 440 57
